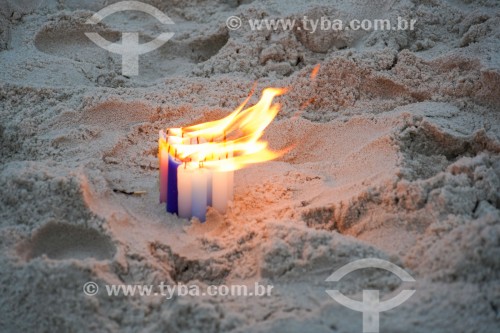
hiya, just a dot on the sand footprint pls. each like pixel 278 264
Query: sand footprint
pixel 65 241
pixel 104 125
pixel 65 37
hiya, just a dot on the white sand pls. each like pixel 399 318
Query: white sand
pixel 397 157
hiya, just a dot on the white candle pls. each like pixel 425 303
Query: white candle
pixel 220 189
pixel 208 172
pixel 209 187
pixel 184 184
pixel 230 176
pixel 230 185
pixel 199 193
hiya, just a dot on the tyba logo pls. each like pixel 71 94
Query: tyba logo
pixel 130 49
pixel 371 306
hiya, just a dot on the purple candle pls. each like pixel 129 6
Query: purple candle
pixel 172 193
pixel 163 156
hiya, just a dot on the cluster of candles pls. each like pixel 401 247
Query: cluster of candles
pixel 187 186
pixel 197 163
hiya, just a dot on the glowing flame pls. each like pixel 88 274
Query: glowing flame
pixel 315 71
pixel 229 143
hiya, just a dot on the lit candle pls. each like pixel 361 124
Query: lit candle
pixel 230 175
pixel 209 174
pixel 230 185
pixel 199 193
pixel 220 189
pixel 163 157
pixel 222 182
pixel 209 187
pixel 184 183
pixel 210 180
pixel 172 193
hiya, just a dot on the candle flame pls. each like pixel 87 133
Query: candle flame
pixel 315 71
pixel 229 143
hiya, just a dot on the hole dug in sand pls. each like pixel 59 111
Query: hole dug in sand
pixel 64 241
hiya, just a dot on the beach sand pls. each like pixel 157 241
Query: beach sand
pixel 396 156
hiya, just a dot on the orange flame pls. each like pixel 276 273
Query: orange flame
pixel 315 71
pixel 229 143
